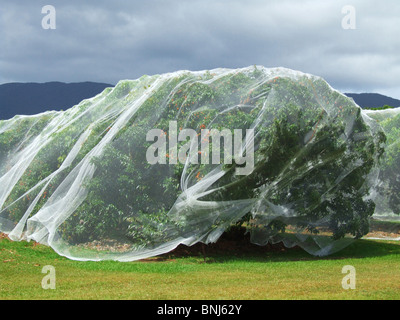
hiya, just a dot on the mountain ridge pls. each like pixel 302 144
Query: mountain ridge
pixel 373 100
pixel 20 98
pixel 29 98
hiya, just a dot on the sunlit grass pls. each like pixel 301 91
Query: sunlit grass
pixel 291 274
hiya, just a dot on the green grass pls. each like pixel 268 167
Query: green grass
pixel 290 274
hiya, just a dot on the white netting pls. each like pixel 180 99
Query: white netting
pixel 386 192
pixel 84 181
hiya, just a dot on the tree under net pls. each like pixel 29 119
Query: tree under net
pixel 179 158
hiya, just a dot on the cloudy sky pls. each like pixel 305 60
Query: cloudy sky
pixel 106 41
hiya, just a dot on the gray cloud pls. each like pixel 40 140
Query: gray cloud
pixel 111 40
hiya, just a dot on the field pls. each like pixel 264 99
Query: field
pixel 218 272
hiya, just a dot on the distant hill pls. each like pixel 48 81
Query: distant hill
pixel 33 98
pixel 373 100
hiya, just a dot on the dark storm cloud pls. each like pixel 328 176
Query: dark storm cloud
pixel 111 40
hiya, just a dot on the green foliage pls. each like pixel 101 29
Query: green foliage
pixel 381 108
pixel 390 164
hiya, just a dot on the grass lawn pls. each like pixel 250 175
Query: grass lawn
pixel 257 274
